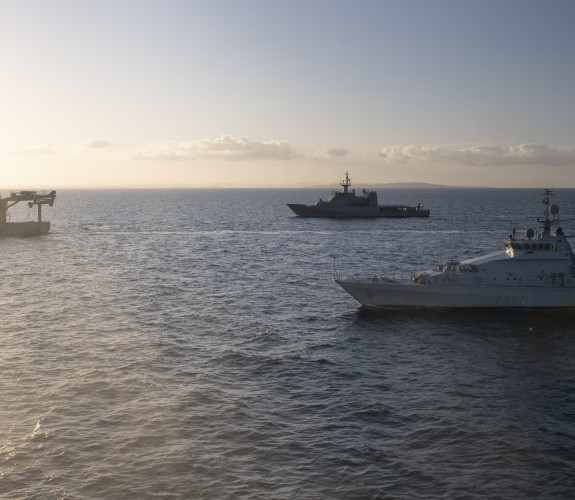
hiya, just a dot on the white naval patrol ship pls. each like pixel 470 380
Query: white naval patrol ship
pixel 533 271
pixel 346 203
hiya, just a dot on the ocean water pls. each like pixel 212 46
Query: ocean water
pixel 193 344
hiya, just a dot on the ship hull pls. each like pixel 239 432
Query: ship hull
pixel 372 293
pixel 24 229
pixel 381 211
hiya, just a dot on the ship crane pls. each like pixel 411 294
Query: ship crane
pixel 28 228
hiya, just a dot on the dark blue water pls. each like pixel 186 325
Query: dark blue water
pixel 193 344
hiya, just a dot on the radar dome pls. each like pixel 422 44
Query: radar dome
pixel 529 233
pixel 554 209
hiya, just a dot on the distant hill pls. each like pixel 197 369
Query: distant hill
pixel 425 185
pixel 412 185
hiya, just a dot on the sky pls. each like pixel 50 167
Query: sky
pixel 286 93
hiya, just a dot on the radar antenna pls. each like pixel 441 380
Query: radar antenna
pixel 550 209
pixel 345 183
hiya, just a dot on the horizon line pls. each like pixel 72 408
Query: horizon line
pixel 395 185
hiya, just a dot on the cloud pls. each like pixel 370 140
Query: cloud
pixel 336 153
pixel 100 144
pixel 50 149
pixel 332 153
pixel 223 148
pixel 522 154
pixel 46 149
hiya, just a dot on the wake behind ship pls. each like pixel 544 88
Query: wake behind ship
pixel 346 203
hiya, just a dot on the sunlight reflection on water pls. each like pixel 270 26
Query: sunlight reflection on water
pixel 196 346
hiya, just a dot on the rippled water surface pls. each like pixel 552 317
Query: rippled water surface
pixel 193 344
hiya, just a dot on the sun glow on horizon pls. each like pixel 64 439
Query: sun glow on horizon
pixel 196 94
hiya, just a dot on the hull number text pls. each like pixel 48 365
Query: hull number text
pixel 512 300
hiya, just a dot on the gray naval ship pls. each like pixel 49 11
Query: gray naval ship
pixel 27 228
pixel 537 270
pixel 346 203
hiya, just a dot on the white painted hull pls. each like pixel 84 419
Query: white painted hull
pixel 407 294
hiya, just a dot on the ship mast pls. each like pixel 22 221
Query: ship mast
pixel 346 183
pixel 550 209
pixel 546 200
